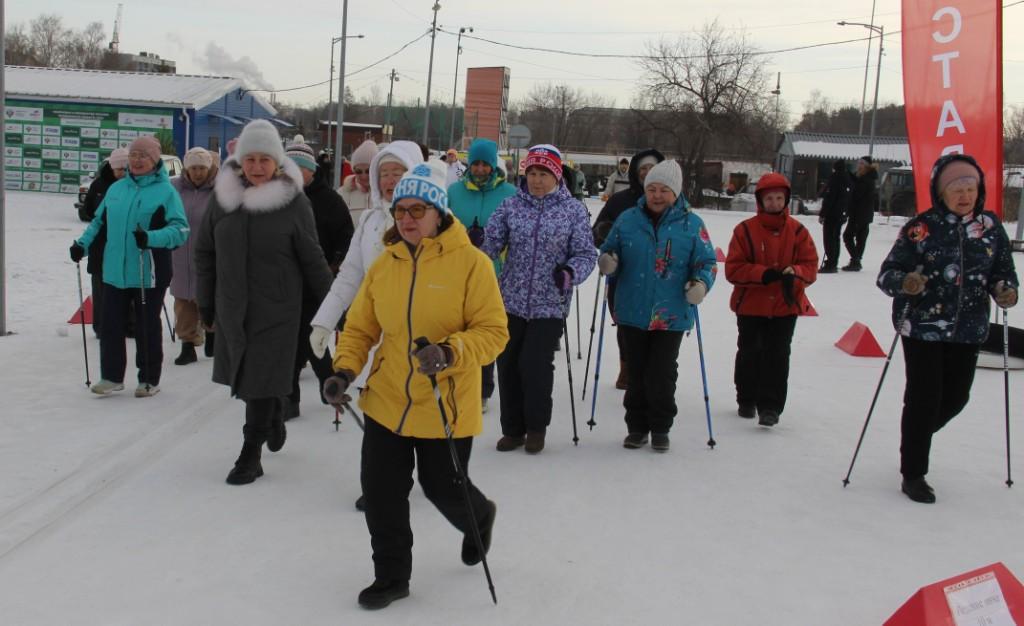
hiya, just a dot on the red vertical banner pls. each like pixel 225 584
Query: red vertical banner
pixel 953 88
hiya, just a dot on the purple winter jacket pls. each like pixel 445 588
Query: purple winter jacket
pixel 195 199
pixel 540 234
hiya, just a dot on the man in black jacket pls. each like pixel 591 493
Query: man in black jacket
pixel 834 203
pixel 862 212
pixel 334 230
pixel 639 165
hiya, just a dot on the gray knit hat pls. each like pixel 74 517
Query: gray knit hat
pixel 667 173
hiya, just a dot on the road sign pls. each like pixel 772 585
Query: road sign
pixel 519 136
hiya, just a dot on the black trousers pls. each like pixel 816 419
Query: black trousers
pixel 831 229
pixel 387 464
pixel 149 353
pixel 762 360
pixel 97 302
pixel 939 379
pixel 526 375
pixel 650 400
pixel 322 365
pixel 487 380
pixel 258 414
pixel 856 238
pixel 618 329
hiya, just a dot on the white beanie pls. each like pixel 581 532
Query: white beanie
pixel 364 153
pixel 197 156
pixel 260 136
pixel 407 153
pixel 428 182
pixel 667 173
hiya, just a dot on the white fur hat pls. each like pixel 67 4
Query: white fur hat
pixel 260 136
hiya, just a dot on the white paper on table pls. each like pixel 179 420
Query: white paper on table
pixel 978 601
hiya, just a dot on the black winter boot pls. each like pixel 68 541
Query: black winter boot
pixel 188 354
pixel 382 593
pixel 208 346
pixel 918 489
pixel 248 467
pixel 278 433
pixel 470 553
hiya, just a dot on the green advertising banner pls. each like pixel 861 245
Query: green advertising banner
pixel 55 147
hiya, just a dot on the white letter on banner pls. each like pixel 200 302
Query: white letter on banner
pixel 944 58
pixel 957 24
pixel 950 119
pixel 957 149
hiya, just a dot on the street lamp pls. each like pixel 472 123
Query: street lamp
pixel 455 87
pixel 330 84
pixel 878 75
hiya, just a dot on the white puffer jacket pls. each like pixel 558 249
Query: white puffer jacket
pixel 367 241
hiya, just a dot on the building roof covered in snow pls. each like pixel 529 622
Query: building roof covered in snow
pixel 141 88
pixel 831 146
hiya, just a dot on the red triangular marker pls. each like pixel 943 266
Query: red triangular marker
pixel 77 317
pixel 858 341
pixel 811 311
pixel 987 593
pixel 719 255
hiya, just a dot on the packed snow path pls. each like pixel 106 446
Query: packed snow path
pixel 114 510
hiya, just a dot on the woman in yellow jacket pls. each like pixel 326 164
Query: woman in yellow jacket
pixel 431 282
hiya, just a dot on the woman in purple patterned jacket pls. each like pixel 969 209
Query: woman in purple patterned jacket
pixel 546 236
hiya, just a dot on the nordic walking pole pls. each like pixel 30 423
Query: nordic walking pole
pixel 703 376
pixel 597 365
pixel 885 369
pixel 81 319
pixel 579 342
pixel 568 366
pixel 590 348
pixel 143 316
pixel 170 328
pixel 355 416
pixel 1006 392
pixel 460 475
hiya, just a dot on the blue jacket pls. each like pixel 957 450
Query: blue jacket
pixel 962 258
pixel 473 205
pixel 149 202
pixel 656 262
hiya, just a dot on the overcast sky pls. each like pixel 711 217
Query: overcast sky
pixel 287 44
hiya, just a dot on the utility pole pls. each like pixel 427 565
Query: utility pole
pixel 330 86
pixel 430 74
pixel 777 93
pixel 867 62
pixel 878 76
pixel 455 87
pixel 336 160
pixel 387 111
pixel 3 192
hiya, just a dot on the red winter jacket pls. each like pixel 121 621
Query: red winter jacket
pixel 770 242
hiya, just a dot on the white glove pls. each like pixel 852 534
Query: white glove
pixel 608 263
pixel 319 339
pixel 695 292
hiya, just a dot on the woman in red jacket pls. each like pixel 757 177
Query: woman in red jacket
pixel 771 260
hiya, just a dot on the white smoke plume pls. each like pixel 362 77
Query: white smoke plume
pixel 217 61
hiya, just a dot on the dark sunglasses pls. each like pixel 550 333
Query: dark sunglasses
pixel 416 211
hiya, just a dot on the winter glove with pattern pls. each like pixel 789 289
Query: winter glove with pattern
pixel 563 278
pixel 335 388
pixel 432 358
pixel 141 238
pixel 770 276
pixel 608 263
pixel 319 339
pixel 77 252
pixel 1006 297
pixel 914 283
pixel 695 292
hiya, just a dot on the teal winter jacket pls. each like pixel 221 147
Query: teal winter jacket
pixel 148 202
pixel 656 262
pixel 473 205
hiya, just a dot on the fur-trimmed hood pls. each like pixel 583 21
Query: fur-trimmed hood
pixel 406 151
pixel 232 193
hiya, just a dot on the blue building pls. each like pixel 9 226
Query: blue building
pixel 60 124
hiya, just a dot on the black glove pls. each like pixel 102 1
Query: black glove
pixel 141 238
pixel 787 289
pixel 770 276
pixel 335 388
pixel 206 317
pixel 77 252
pixel 433 358
pixel 563 278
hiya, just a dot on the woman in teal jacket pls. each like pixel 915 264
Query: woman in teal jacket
pixel 472 200
pixel 664 265
pixel 139 221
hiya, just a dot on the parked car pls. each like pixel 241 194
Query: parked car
pixel 896 195
pixel 171 162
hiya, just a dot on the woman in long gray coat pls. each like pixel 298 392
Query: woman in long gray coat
pixel 255 247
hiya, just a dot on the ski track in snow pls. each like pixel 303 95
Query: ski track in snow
pixel 114 510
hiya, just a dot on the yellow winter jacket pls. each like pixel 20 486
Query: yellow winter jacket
pixel 447 292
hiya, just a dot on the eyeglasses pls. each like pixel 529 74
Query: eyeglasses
pixel 137 156
pixel 359 172
pixel 416 211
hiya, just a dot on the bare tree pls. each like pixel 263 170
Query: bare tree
pixel 697 85
pixel 48 43
pixel 1013 135
pixel 561 115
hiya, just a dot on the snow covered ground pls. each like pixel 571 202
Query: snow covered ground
pixel 114 510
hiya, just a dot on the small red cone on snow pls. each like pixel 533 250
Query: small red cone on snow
pixel 858 341
pixel 77 317
pixel 811 311
pixel 988 595
pixel 719 255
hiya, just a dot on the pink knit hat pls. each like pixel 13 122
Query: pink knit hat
pixel 147 145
